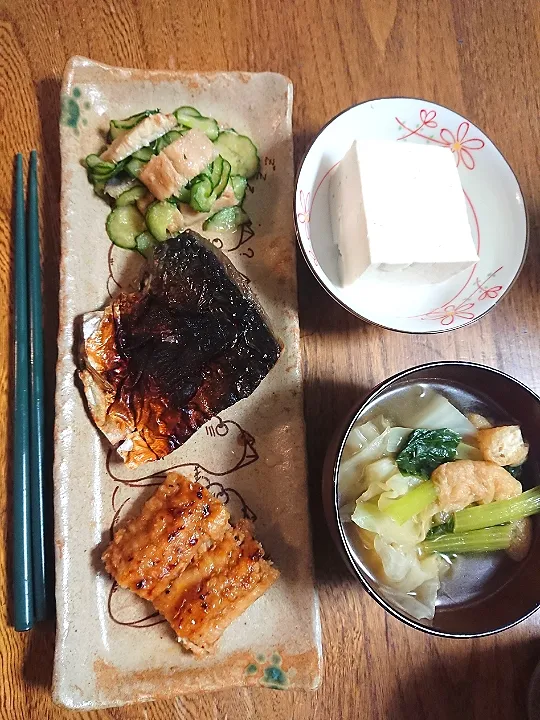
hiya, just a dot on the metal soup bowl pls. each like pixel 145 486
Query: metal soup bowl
pixel 486 593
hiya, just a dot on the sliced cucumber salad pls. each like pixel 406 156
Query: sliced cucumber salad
pixel 117 127
pixel 226 220
pixel 161 218
pixel 156 164
pixel 191 118
pixel 124 224
pixel 240 152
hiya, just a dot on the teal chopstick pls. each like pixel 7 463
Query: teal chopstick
pixel 37 418
pixel 23 606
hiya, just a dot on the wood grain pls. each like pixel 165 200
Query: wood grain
pixel 483 60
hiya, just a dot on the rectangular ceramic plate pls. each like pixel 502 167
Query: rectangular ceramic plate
pixel 108 652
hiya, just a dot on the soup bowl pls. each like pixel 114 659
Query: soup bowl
pixel 484 593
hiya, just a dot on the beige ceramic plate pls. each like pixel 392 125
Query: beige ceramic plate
pixel 108 650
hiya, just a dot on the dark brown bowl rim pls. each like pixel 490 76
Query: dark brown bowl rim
pixel 346 307
pixel 344 546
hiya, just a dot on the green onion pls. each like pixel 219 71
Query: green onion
pixel 484 540
pixel 413 502
pixel 497 513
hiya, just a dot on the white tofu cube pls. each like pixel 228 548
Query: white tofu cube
pixel 398 209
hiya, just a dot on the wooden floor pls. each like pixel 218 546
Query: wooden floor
pixel 480 58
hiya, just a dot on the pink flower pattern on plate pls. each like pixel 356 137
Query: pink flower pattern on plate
pixel 464 308
pixel 488 293
pixel 459 143
pixel 449 313
pixel 303 215
pixel 428 118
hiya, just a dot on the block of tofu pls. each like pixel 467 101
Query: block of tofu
pixel 215 588
pixel 398 210
pixel 181 520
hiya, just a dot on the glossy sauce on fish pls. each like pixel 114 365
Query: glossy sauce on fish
pixel 190 345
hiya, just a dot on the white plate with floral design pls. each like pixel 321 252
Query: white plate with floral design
pixel 495 206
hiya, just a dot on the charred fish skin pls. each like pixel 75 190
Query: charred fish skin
pixel 192 343
pixel 207 283
pixel 193 316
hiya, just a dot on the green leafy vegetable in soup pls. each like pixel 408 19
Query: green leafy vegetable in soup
pixel 425 450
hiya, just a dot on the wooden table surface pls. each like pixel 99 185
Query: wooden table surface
pixel 481 58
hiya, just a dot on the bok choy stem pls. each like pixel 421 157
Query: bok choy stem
pixel 413 502
pixel 497 513
pixel 484 540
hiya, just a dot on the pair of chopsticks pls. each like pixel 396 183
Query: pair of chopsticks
pixel 30 583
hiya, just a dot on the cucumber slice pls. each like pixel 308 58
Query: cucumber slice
pixel 187 110
pixel 216 168
pixel 134 167
pixel 99 189
pixel 100 177
pixel 93 161
pixel 145 243
pixel 158 217
pixel 96 166
pixel 239 151
pixel 131 196
pixel 202 196
pixel 143 154
pixel 114 132
pixel 166 139
pixel 208 125
pixel 123 226
pixel 117 127
pixel 227 220
pixel 101 171
pixel 206 189
pixel 183 195
pixel 239 185
pixel 224 179
pixel 209 185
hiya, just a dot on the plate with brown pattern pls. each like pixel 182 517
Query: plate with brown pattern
pixel 111 647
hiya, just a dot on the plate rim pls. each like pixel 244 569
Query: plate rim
pixel 156 73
